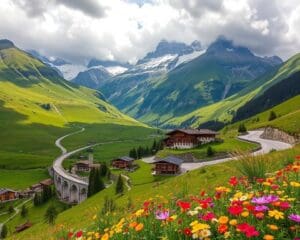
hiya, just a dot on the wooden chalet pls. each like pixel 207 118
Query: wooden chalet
pixel 85 165
pixel 168 165
pixel 123 162
pixel 189 138
pixel 36 187
pixel 8 195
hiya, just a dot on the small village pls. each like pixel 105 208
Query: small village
pixel 171 165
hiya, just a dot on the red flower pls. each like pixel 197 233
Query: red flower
pixel 284 205
pixel 70 235
pixel 187 232
pixel 222 228
pixel 248 230
pixel 233 181
pixel 184 205
pixel 79 234
pixel 260 180
pixel 235 210
pixel 208 216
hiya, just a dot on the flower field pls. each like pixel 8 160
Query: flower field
pixel 266 208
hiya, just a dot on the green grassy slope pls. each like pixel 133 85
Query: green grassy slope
pixel 202 179
pixel 37 106
pixel 225 109
pixel 288 115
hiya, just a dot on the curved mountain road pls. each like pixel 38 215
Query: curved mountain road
pixel 252 136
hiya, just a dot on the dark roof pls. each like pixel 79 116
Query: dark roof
pixel 171 159
pixel 85 162
pixel 193 131
pixel 125 158
pixel 4 190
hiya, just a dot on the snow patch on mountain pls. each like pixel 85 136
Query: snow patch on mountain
pixel 70 71
pixel 116 70
pixel 189 57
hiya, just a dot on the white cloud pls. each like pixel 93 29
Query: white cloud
pixel 127 30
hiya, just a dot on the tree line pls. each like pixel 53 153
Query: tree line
pixel 140 152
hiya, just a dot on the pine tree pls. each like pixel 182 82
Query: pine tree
pixel 109 205
pixel 154 147
pixel 3 232
pixel 37 200
pixel 91 188
pixel 120 185
pixel 210 151
pixel 24 211
pixel 98 183
pixel 103 169
pixel 272 116
pixel 51 215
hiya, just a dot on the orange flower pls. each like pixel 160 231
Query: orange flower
pixel 272 227
pixel 222 228
pixel 259 215
pixel 233 222
pixel 223 220
pixel 133 224
pixel 268 237
pixel 139 227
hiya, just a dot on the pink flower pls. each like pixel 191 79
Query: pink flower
pixel 265 199
pixel 261 208
pixel 162 215
pixel 208 216
pixel 295 218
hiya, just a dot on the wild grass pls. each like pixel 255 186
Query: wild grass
pixel 252 166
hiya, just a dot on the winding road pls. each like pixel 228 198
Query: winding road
pixel 252 136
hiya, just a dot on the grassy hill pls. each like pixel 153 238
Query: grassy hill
pixel 225 110
pixel 144 186
pixel 37 106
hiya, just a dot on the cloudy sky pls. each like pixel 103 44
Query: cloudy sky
pixel 126 30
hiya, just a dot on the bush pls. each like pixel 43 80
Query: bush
pixel 24 211
pixel 272 116
pixel 242 128
pixel 210 152
pixel 51 215
pixel 109 206
pixel 252 167
pixel 3 232
pixel 120 185
pixel 11 209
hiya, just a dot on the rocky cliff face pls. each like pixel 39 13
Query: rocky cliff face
pixel 276 134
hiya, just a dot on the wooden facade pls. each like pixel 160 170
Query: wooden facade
pixel 169 165
pixel 189 138
pixel 8 195
pixel 123 162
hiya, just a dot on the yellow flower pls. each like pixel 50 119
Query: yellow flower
pixel 139 212
pixel 245 214
pixel 94 217
pixel 223 189
pixel 266 184
pixel 273 227
pixel 233 222
pixel 105 236
pixel 174 217
pixel 226 235
pixel 268 237
pixel 295 184
pixel 139 227
pixel 276 214
pixel 199 226
pixel 223 220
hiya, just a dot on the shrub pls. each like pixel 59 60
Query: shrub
pixel 210 152
pixel 242 128
pixel 272 116
pixel 3 232
pixel 51 215
pixel 252 167
pixel 108 206
pixel 11 209
pixel 24 211
pixel 120 185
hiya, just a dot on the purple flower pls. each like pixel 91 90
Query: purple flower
pixel 295 218
pixel 162 215
pixel 264 199
pixel 261 208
